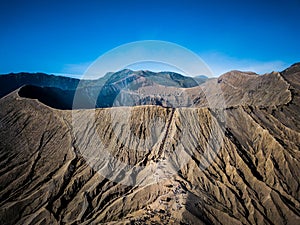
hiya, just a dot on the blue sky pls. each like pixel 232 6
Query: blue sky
pixel 60 36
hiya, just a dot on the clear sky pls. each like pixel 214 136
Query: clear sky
pixel 59 36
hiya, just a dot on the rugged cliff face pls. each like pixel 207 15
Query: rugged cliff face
pixel 231 159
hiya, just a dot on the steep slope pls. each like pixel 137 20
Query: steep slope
pixel 242 88
pixel 150 164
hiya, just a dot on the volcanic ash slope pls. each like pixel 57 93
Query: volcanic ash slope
pixel 153 165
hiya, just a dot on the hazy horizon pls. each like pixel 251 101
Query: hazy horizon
pixel 136 69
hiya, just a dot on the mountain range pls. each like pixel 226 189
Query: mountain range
pixel 60 90
pixel 138 147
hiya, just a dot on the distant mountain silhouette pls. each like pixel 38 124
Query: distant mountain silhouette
pixel 13 81
pixel 58 92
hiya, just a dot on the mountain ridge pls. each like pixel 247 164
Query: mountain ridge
pixel 136 88
pixel 234 163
